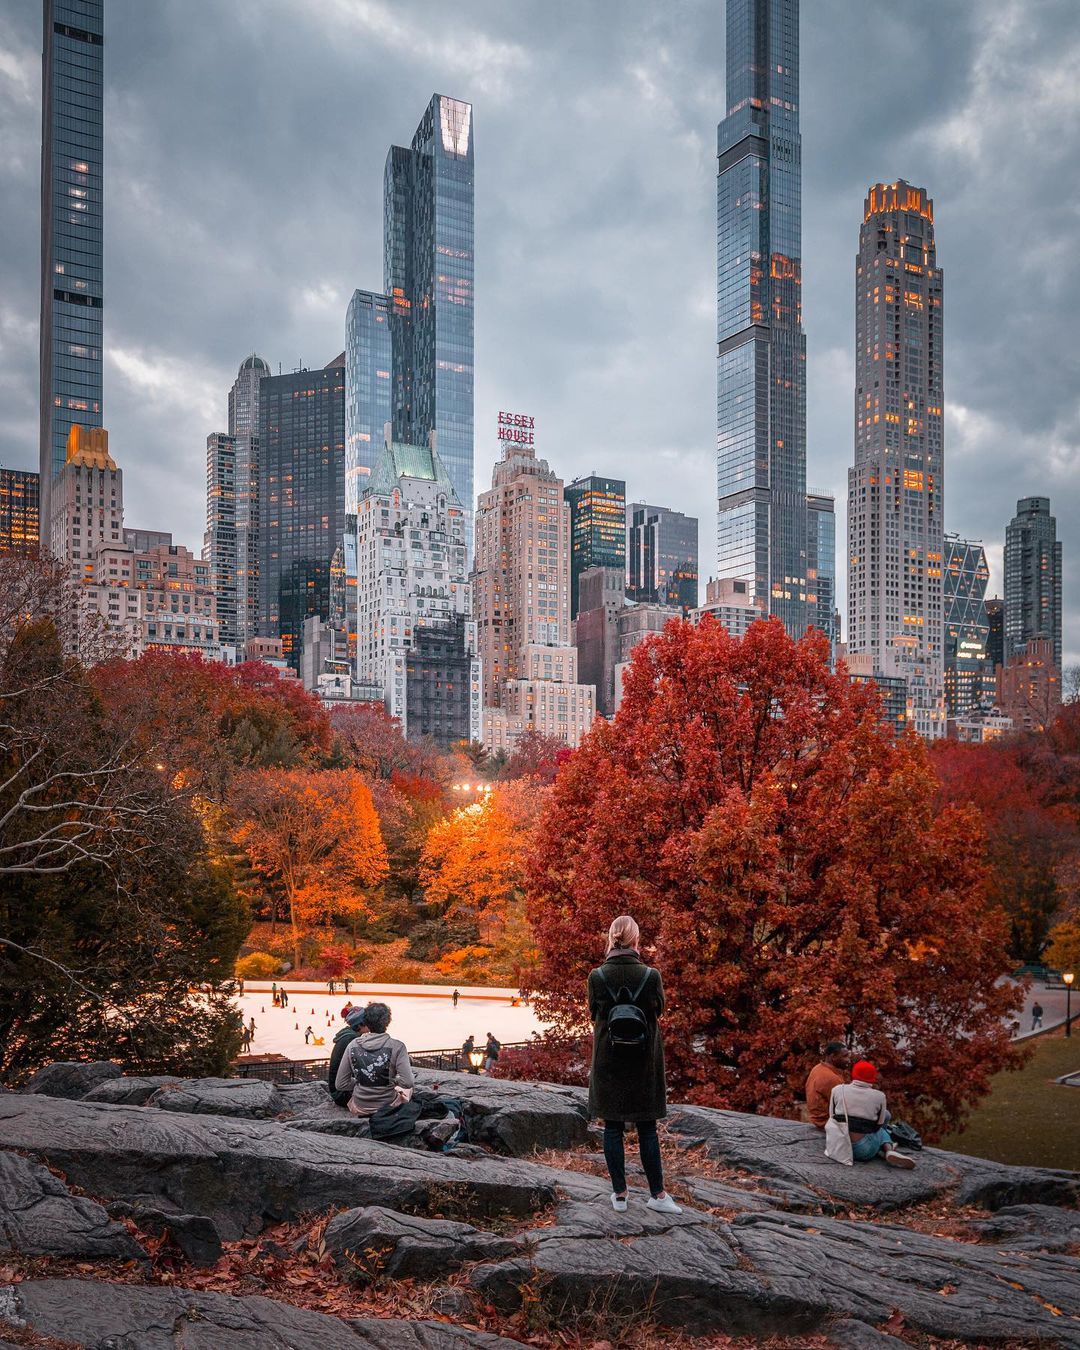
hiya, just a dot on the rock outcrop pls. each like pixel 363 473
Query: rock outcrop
pixel 70 1079
pixel 774 1239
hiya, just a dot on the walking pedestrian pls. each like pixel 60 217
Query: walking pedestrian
pixel 1036 1015
pixel 308 1033
pixel 454 997
pixel 330 987
pixel 347 983
pixel 245 1041
pixel 491 1053
pixel 251 1028
pixel 627 1080
pixel 284 997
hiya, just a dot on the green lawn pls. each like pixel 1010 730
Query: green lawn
pixel 1028 1118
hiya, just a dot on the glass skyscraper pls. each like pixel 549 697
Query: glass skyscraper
pixel 368 405
pixel 821 564
pixel 428 279
pixel 71 228
pixel 19 511
pixel 301 498
pixel 969 671
pixel 661 556
pixel 761 351
pixel 597 527
pixel 1032 578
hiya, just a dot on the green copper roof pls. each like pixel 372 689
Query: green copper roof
pixel 401 460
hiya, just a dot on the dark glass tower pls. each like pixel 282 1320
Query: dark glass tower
pixel 71 235
pixel 661 556
pixel 821 564
pixel 428 275
pixel 368 366
pixel 19 506
pixel 301 498
pixel 969 670
pixel 597 527
pixel 1032 578
pixel 761 352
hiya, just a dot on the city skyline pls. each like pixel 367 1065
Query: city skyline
pixel 178 345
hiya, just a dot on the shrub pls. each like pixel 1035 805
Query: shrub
pixel 258 966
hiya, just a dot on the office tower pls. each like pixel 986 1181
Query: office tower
pixel 597 527
pixel 661 556
pixel 761 351
pixel 595 634
pixel 428 279
pixel 72 92
pixel 219 542
pixel 19 512
pixel 301 498
pixel 895 490
pixel 1032 578
pixel 368 363
pixel 244 430
pixel 87 497
pixel 521 569
pixel 821 565
pixel 415 637
pixel 995 638
pixel 969 671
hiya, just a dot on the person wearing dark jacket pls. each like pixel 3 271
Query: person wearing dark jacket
pixel 354 1025
pixel 628 1083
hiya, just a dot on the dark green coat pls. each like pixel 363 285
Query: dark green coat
pixel 626 1084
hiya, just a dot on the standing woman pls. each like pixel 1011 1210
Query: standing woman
pixel 627 1081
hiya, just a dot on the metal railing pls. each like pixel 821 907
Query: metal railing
pixel 278 1069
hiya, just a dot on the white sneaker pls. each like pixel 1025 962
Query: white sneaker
pixel 618 1203
pixel 897 1159
pixel 663 1205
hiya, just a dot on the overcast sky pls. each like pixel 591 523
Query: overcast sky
pixel 244 148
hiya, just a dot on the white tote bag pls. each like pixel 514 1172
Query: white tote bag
pixel 838 1137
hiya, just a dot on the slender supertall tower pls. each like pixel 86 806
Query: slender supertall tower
pixel 761 351
pixel 71 233
pixel 896 488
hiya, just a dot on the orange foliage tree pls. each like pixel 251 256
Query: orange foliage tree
pixel 793 872
pixel 317 836
pixel 473 869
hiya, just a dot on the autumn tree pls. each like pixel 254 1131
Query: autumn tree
pixel 315 834
pixel 536 756
pixel 794 874
pixel 473 872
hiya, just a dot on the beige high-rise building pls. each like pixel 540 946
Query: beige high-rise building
pixel 86 498
pixel 521 603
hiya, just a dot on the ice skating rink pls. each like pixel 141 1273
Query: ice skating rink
pixel 423 1016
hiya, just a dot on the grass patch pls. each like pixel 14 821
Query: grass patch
pixel 1028 1118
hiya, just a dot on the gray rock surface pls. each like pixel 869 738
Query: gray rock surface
pixel 193 1234
pixel 245 1098
pixel 516 1117
pixel 40 1217
pixel 793 1154
pixel 849 1335
pixel 245 1173
pixel 1032 1228
pixel 125 1091
pixel 374 1242
pixel 71 1078
pixel 306 1097
pixel 132 1317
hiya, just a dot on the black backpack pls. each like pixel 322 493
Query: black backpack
pixel 627 1025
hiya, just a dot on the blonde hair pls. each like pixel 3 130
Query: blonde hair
pixel 623 932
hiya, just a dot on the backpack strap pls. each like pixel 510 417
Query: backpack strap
pixel 637 992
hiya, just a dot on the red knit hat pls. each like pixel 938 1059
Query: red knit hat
pixel 864 1072
pixel 346 1010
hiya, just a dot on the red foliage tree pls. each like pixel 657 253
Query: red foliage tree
pixel 537 756
pixel 793 873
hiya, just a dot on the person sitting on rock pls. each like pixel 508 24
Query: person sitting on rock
pixel 866 1111
pixel 354 1025
pixel 627 1080
pixel 823 1077
pixel 375 1067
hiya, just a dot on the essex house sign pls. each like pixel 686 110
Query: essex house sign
pixel 519 428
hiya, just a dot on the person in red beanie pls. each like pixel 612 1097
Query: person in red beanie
pixel 863 1105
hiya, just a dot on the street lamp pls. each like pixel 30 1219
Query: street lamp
pixel 476 1058
pixel 1068 977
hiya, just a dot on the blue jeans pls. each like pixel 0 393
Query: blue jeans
pixel 870 1145
pixel 648 1146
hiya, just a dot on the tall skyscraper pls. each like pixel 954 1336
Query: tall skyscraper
pixel 821 564
pixel 1032 578
pixel 995 638
pixel 244 430
pixel 72 96
pixel 87 498
pixel 896 488
pixel 428 255
pixel 415 638
pixel 219 541
pixel 761 347
pixel 20 520
pixel 969 671
pixel 597 527
pixel 301 498
pixel 521 569
pixel 661 556
pixel 368 408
